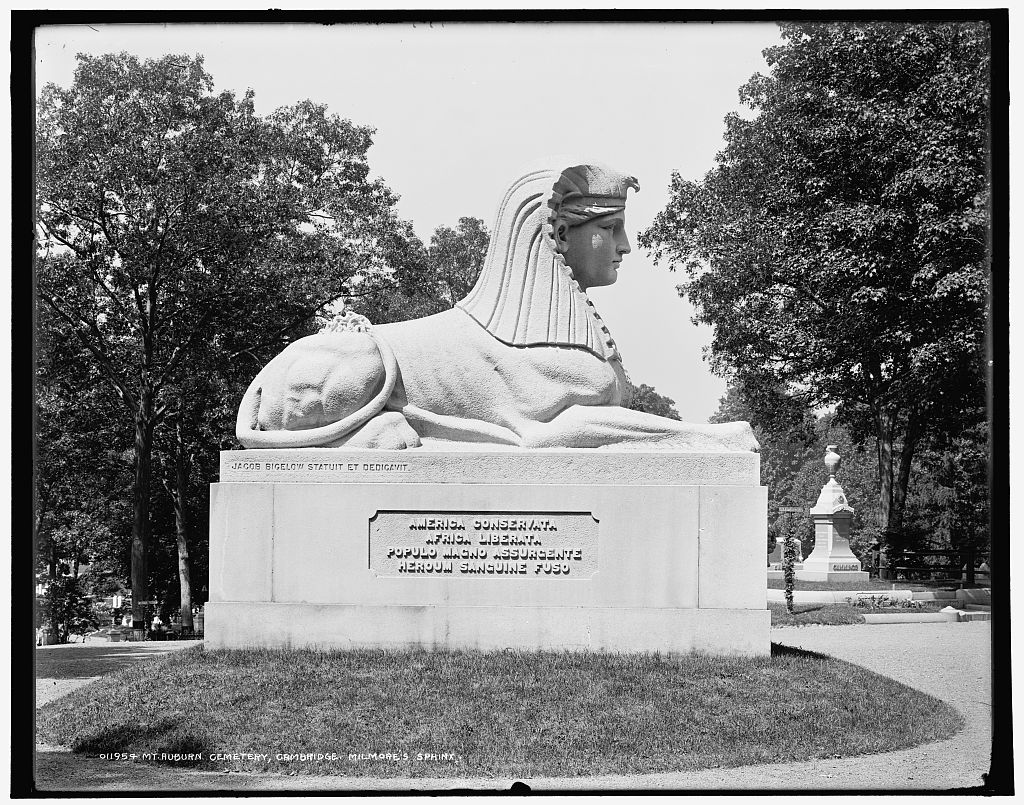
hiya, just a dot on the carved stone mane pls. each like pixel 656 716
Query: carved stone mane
pixel 533 301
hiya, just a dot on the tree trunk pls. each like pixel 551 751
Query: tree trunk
pixel 883 437
pixel 911 437
pixel 140 504
pixel 42 499
pixel 894 472
pixel 180 498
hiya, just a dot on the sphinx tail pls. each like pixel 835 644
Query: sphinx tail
pixel 246 423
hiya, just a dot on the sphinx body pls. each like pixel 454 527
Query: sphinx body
pixel 524 360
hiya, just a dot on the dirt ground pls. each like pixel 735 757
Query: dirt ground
pixel 948 660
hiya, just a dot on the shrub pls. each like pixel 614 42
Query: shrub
pixel 67 609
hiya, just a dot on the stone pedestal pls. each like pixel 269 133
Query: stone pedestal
pixel 832 559
pixel 531 549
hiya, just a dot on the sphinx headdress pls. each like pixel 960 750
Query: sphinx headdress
pixel 526 294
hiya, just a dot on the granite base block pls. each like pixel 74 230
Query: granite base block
pixel 832 575
pixel 980 595
pixel 526 556
pixel 488 628
pixel 910 617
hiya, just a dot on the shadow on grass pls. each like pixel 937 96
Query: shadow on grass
pixel 825 614
pixel 92 660
pixel 170 745
pixel 780 650
pixel 121 735
pixel 184 749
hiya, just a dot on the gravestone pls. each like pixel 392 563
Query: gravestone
pixel 776 559
pixel 474 480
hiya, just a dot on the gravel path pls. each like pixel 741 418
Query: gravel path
pixel 948 660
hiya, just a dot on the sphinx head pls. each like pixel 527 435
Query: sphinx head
pixel 588 222
pixel 556 233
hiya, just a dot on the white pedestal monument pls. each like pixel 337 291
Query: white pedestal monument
pixel 832 559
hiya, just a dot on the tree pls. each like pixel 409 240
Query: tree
pixel 430 280
pixel 199 425
pixel 179 462
pixel 951 499
pixel 412 292
pixel 456 257
pixel 67 608
pixel 168 214
pixel 645 398
pixel 81 474
pixel 788 439
pixel 947 506
pixel 838 248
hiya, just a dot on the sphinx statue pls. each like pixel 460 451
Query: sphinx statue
pixel 524 360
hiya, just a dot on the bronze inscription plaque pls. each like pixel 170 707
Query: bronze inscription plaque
pixel 535 545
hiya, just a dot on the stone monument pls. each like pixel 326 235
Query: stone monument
pixel 832 559
pixel 473 479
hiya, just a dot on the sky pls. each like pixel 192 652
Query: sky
pixel 460 109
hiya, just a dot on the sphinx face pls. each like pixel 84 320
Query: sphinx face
pixel 595 249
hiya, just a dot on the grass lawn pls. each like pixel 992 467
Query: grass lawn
pixel 839 614
pixel 869 585
pixel 520 714
pixel 808 614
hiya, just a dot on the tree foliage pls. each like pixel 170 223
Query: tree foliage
pixel 952 497
pixel 83 460
pixel 789 571
pixel 432 278
pixel 67 608
pixel 948 504
pixel 785 432
pixel 839 247
pixel 182 241
pixel 645 398
pixel 456 257
pixel 170 216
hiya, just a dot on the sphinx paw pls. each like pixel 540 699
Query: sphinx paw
pixel 386 431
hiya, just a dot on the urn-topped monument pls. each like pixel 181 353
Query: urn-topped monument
pixel 832 559
pixel 474 479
